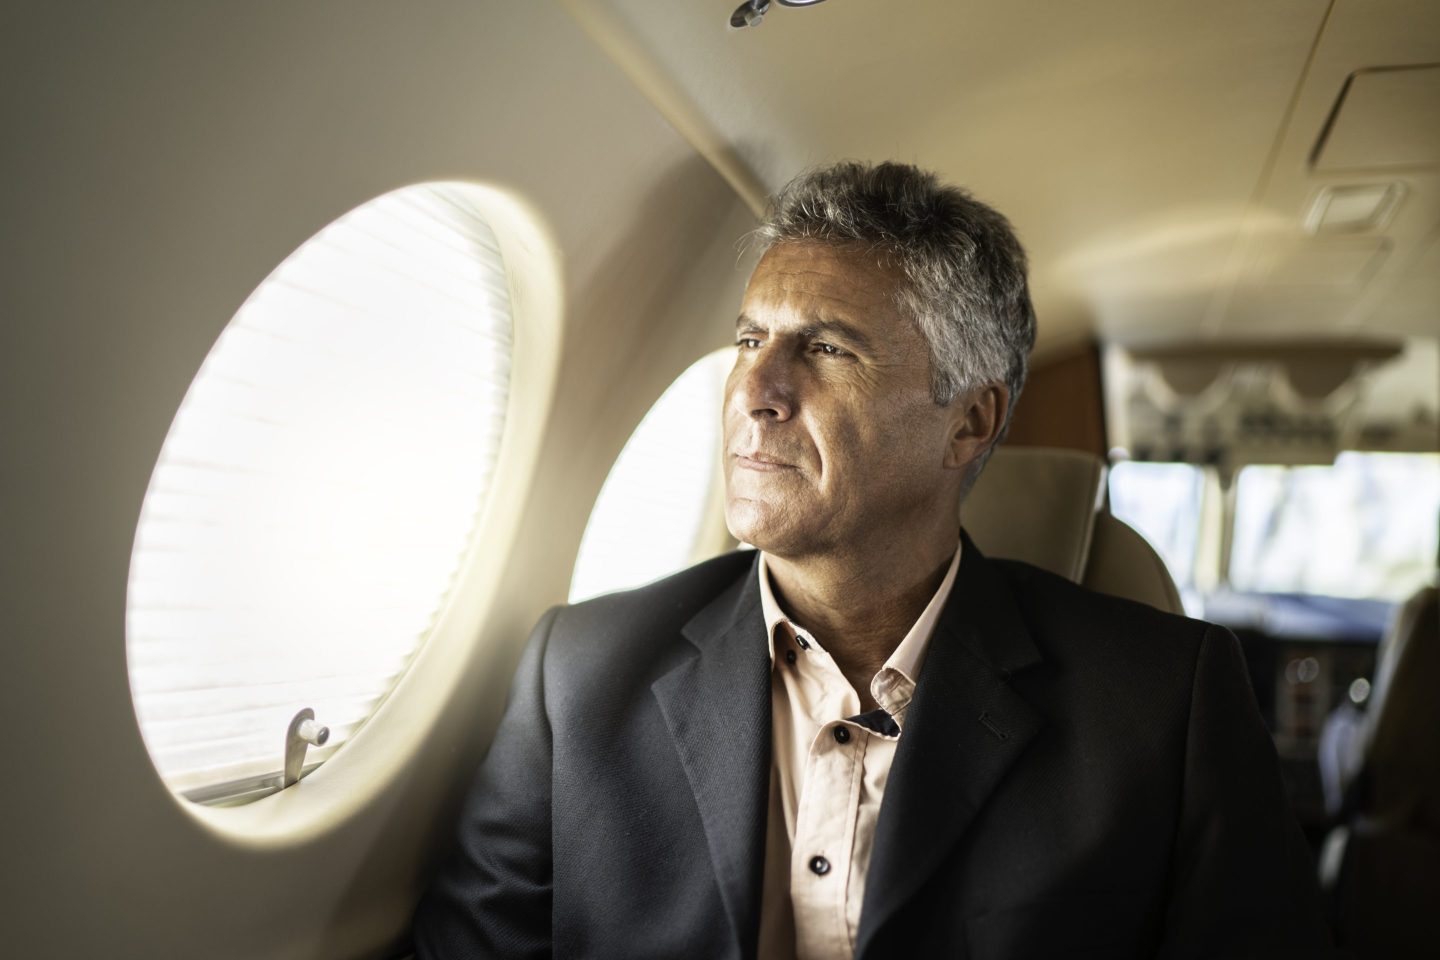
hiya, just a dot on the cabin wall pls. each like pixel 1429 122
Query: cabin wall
pixel 161 159
pixel 1063 403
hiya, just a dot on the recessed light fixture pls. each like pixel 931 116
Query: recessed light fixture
pixel 1353 208
pixel 751 12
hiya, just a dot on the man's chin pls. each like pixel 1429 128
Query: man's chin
pixel 751 523
pixel 764 529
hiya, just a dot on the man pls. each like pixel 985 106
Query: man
pixel 867 739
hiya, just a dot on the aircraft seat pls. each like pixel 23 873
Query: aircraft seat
pixel 1046 507
pixel 1381 865
pixel 1123 564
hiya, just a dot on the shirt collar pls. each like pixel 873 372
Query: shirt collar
pixel 894 684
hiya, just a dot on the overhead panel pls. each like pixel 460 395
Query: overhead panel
pixel 1273 401
pixel 1155 158
pixel 1334 264
pixel 1357 160
pixel 1123 138
pixel 1413 303
pixel 1384 117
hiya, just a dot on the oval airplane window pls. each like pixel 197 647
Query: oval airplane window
pixel 661 498
pixel 317 491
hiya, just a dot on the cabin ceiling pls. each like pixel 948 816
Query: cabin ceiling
pixel 1158 158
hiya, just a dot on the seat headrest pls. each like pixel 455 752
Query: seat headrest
pixel 1123 564
pixel 1414 623
pixel 1038 505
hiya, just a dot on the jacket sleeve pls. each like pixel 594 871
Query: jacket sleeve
pixel 492 898
pixel 1242 882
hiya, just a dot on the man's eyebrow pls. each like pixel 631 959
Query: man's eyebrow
pixel 825 328
pixel 837 330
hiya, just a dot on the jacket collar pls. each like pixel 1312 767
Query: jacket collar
pixel 966 728
pixel 717 707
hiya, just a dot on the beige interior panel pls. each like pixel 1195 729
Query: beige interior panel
pixel 1151 317
pixel 167 157
pixel 1413 303
pixel 1123 138
pixel 1357 35
pixel 1386 117
pixel 1339 266
pixel 1154 158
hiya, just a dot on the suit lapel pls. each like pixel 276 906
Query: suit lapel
pixel 717 706
pixel 964 729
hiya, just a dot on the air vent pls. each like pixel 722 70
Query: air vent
pixel 1353 208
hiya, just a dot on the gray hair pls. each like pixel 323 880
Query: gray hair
pixel 965 271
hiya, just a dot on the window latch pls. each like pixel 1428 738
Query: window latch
pixel 302 733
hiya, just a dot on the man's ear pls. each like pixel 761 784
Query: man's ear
pixel 978 416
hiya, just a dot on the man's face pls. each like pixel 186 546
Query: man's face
pixel 832 437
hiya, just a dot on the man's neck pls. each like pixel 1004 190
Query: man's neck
pixel 860 606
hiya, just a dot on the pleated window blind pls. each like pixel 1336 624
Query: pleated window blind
pixel 318 490
pixel 649 513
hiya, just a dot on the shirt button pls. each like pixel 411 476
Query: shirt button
pixel 842 735
pixel 790 656
pixel 819 866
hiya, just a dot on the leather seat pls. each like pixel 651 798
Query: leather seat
pixel 1046 507
pixel 1382 864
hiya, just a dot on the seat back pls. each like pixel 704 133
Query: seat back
pixel 1383 862
pixel 1044 506
pixel 1123 564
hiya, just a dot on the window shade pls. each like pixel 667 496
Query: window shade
pixel 319 488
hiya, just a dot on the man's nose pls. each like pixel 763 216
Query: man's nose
pixel 763 387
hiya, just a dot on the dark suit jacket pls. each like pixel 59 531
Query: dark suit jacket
pixel 1079 776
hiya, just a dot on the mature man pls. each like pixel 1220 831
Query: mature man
pixel 867 739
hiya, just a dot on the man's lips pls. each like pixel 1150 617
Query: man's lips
pixel 763 462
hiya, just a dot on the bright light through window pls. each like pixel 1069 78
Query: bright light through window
pixel 318 489
pixel 1365 527
pixel 653 506
pixel 1163 502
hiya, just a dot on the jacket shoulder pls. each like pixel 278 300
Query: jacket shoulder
pixel 647 620
pixel 1064 616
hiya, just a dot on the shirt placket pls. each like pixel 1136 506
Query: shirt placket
pixel 823 850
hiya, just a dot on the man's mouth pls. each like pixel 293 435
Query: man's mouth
pixel 760 461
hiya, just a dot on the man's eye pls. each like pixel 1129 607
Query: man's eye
pixel 828 349
pixel 747 343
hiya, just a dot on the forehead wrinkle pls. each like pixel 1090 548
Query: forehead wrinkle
pixel 809 282
pixel 817 308
pixel 806 290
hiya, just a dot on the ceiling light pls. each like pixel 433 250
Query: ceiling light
pixel 1353 208
pixel 751 12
